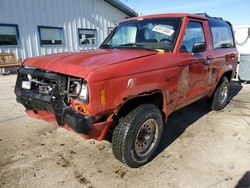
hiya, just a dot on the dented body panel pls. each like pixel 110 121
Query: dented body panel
pixel 115 76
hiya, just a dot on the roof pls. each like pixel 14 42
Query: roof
pixel 198 16
pixel 201 16
pixel 122 7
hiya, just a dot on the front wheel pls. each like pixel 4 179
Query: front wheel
pixel 137 135
pixel 220 97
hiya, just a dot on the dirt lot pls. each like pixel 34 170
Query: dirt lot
pixel 201 148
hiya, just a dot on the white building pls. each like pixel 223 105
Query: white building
pixel 242 37
pixel 37 27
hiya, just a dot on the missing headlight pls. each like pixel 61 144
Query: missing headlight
pixel 74 86
pixel 84 92
pixel 77 88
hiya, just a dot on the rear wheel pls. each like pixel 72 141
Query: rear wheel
pixel 137 135
pixel 220 97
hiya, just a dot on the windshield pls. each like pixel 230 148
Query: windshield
pixel 149 34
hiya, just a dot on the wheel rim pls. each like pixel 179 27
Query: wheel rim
pixel 146 137
pixel 224 93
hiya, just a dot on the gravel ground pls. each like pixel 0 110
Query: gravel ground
pixel 200 148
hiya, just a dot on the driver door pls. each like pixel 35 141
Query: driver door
pixel 194 67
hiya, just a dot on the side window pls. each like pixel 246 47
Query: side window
pixel 9 35
pixel 221 34
pixel 87 37
pixel 194 34
pixel 50 36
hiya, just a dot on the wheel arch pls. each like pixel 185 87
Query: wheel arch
pixel 228 74
pixel 155 97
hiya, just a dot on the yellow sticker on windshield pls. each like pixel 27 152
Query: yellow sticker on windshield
pixel 163 30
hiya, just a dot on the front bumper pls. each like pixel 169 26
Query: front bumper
pixel 52 103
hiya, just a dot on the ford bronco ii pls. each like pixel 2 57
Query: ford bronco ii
pixel 147 68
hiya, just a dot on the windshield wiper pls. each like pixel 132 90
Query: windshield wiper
pixel 136 46
pixel 106 46
pixel 132 45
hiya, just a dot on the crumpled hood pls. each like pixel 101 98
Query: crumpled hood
pixel 79 64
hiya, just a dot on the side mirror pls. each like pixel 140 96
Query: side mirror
pixel 199 47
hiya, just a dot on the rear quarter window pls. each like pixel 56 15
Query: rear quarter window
pixel 221 34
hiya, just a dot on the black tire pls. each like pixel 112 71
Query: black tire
pixel 126 137
pixel 220 97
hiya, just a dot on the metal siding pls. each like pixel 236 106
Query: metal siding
pixel 69 14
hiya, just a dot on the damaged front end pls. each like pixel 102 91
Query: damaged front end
pixel 40 91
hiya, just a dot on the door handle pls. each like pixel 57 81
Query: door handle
pixel 207 59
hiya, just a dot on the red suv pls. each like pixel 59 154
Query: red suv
pixel 147 68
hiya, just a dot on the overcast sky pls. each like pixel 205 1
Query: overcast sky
pixel 235 11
